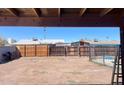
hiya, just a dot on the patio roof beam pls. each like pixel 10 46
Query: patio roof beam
pixel 37 12
pixel 82 11
pixel 94 21
pixel 59 12
pixel 106 11
pixel 12 11
pixel 44 11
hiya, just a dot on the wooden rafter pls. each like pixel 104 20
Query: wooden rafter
pixel 12 11
pixel 106 11
pixel 44 11
pixel 82 11
pixel 59 12
pixel 37 12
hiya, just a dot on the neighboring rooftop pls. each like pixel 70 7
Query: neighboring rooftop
pixel 40 41
pixel 103 42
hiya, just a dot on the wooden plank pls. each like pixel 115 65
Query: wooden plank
pixel 72 51
pixel 41 50
pixel 30 50
pixel 106 11
pixel 21 50
pixel 84 51
pixel 57 51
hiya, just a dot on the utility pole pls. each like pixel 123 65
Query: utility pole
pixel 44 32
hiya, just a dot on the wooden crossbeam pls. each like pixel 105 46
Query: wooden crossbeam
pixel 106 11
pixel 86 21
pixel 37 12
pixel 82 11
pixel 12 11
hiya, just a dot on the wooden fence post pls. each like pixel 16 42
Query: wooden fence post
pixel 48 50
pixel 25 50
pixel 65 50
pixel 35 50
pixel 90 53
pixel 78 50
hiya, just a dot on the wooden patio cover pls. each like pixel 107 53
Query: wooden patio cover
pixel 67 17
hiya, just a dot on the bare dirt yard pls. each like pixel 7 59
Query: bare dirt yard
pixel 54 70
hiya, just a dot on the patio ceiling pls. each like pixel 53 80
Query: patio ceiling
pixel 61 17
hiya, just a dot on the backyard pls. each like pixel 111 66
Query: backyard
pixel 54 70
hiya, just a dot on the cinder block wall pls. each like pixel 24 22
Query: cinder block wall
pixel 4 49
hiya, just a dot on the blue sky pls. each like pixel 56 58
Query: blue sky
pixel 67 33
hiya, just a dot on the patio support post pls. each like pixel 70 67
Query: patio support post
pixel 122 51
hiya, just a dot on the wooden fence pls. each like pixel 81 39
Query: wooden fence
pixel 103 50
pixel 32 50
pixel 57 51
pixel 68 51
pixel 44 50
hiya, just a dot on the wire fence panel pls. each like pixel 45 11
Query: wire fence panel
pixel 103 54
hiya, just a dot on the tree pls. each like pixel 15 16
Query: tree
pixel 3 41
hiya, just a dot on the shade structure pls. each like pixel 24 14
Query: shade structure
pixel 62 17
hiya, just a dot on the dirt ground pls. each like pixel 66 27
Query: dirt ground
pixel 54 70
